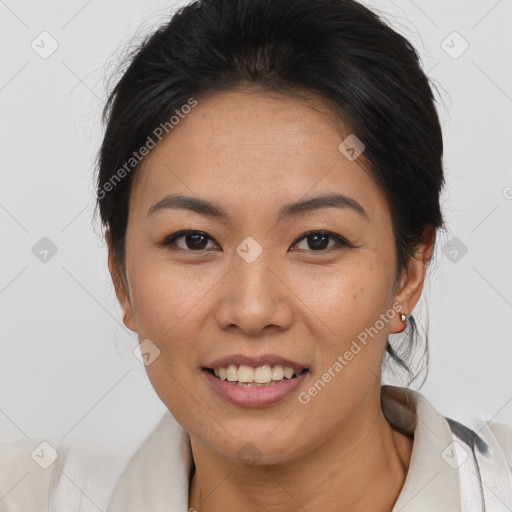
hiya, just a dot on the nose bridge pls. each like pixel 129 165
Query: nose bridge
pixel 252 273
pixel 255 297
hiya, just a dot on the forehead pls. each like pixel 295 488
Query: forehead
pixel 247 146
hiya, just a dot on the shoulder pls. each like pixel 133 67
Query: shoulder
pixel 471 460
pixel 27 469
pixel 157 475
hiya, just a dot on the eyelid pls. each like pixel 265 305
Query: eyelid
pixel 340 239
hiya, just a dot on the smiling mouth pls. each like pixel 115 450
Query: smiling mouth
pixel 248 376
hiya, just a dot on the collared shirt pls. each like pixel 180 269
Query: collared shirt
pixel 453 467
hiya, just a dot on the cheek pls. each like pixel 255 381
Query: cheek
pixel 347 297
pixel 343 308
pixel 167 299
pixel 170 304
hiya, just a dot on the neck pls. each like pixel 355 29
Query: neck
pixel 361 467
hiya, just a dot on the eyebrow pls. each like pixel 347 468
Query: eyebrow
pixel 210 209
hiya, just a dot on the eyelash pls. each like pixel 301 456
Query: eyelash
pixel 342 242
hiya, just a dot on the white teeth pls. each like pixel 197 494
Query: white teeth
pixel 232 373
pixel 277 372
pixel 245 374
pixel 263 374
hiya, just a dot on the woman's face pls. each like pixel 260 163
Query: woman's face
pixel 251 283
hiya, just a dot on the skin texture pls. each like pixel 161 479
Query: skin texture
pixel 251 153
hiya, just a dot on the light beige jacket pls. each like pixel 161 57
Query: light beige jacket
pixel 453 468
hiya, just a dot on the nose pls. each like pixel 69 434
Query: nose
pixel 254 297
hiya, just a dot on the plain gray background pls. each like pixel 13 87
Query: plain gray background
pixel 67 371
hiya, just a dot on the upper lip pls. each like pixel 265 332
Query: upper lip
pixel 263 359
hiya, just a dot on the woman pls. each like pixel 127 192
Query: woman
pixel 269 181
pixel 276 232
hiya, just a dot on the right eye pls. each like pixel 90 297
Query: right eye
pixel 193 240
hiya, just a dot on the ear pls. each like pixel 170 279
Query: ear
pixel 121 292
pixel 412 279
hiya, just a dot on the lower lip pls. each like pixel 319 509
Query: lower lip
pixel 255 396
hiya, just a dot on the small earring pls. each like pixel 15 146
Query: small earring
pixel 403 317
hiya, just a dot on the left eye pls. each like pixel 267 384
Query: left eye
pixel 319 240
